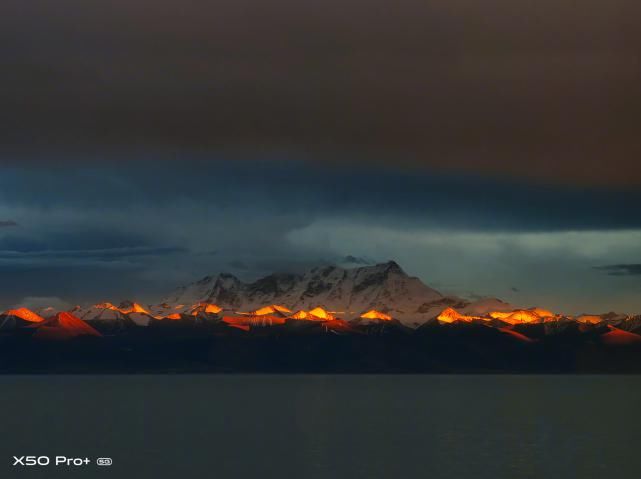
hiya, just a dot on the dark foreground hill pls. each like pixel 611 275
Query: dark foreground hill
pixel 308 347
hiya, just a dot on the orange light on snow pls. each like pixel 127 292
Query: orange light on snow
pixel 373 314
pixel 450 315
pixel 25 314
pixel 320 313
pixel 300 314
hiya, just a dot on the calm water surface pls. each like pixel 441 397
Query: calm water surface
pixel 326 426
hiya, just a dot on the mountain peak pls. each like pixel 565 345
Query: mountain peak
pixel 226 278
pixel 64 325
pixel 381 287
pixel 392 265
pixel 24 314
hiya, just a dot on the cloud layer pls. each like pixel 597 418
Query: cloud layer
pixel 621 269
pixel 108 231
pixel 538 90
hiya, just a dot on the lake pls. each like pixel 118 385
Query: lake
pixel 317 426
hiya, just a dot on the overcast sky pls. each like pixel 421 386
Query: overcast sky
pixel 491 148
pixel 112 230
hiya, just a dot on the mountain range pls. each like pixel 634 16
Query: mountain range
pixel 383 287
pixel 372 318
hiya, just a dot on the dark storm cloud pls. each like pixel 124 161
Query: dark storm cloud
pixel 543 89
pixel 621 269
pixel 114 254
pixel 280 196
pixel 92 236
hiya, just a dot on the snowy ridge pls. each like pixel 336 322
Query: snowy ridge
pixel 350 291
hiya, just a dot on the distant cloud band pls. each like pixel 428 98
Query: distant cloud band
pixel 621 269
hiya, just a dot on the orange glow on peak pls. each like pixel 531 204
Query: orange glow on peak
pixel 522 316
pixel 134 308
pixel 207 308
pixel 25 314
pixel 320 313
pixel 589 319
pixel 543 313
pixel 264 311
pixel 270 309
pixel 106 306
pixel 517 316
pixel 450 315
pixel 173 316
pixel 212 308
pixel 373 314
pixel 300 314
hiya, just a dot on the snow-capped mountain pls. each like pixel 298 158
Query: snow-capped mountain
pixel 351 291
